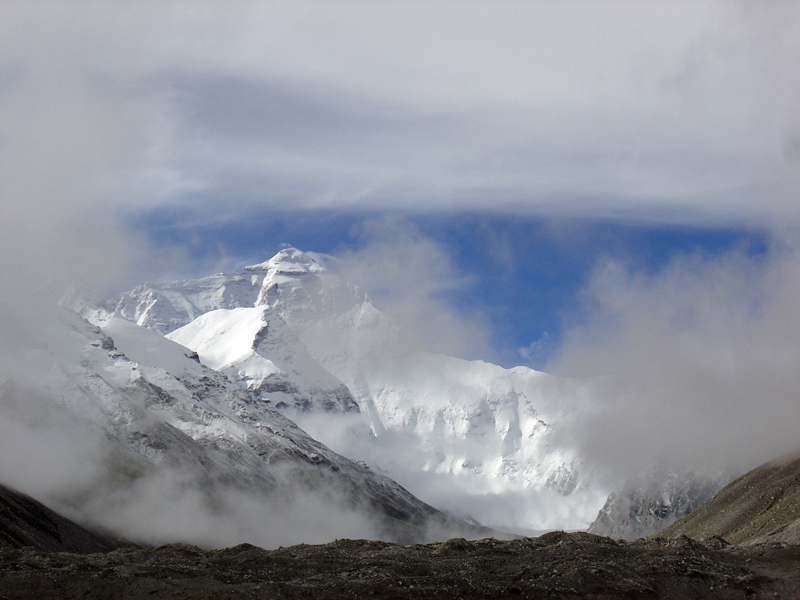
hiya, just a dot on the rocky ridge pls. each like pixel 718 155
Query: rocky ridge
pixel 156 428
pixel 761 506
pixel 27 523
pixel 652 500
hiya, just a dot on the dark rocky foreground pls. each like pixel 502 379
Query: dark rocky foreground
pixel 555 565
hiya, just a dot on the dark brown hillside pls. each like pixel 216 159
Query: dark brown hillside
pixel 25 522
pixel 761 506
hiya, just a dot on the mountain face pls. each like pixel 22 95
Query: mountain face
pixel 760 506
pixel 134 434
pixel 468 436
pixel 649 502
pixel 256 346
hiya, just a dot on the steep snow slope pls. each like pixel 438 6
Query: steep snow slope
pixel 165 306
pixel 469 436
pixel 157 447
pixel 255 346
pixel 151 351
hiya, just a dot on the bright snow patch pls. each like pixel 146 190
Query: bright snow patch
pixel 223 338
pixel 150 349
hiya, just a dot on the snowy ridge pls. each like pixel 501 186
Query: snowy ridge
pixel 468 436
pixel 166 306
pixel 170 434
pixel 255 346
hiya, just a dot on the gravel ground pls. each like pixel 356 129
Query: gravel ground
pixel 555 565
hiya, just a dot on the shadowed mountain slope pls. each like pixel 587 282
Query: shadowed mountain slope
pixel 25 522
pixel 760 506
pixel 652 500
pixel 206 461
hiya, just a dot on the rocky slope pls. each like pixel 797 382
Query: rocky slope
pixel 25 522
pixel 761 506
pixel 164 449
pixel 556 566
pixel 650 501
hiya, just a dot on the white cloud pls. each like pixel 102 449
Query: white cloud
pixel 412 278
pixel 696 364
pixel 678 112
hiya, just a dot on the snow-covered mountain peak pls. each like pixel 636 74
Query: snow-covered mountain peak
pixel 255 346
pixel 305 340
pixel 166 306
pixel 291 275
pixel 289 261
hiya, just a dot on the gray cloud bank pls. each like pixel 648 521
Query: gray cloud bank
pixel 81 471
pixel 655 110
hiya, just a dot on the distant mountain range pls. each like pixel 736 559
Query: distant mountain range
pixel 235 398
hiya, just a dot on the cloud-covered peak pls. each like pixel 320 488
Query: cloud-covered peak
pixel 289 261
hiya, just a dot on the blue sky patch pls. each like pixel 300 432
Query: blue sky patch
pixel 523 273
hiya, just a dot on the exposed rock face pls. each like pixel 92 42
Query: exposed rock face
pixel 653 500
pixel 761 506
pixel 25 522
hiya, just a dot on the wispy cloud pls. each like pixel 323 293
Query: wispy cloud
pixel 413 279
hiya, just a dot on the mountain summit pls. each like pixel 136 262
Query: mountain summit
pixel 288 260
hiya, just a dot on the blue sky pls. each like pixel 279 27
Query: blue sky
pixel 524 274
pixel 526 143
